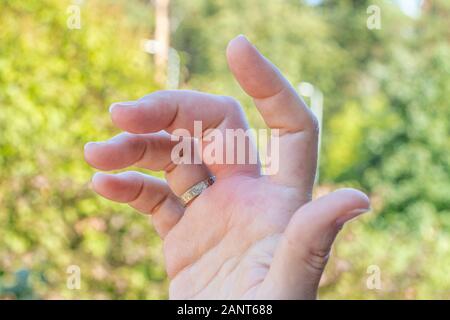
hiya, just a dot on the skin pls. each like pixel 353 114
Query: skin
pixel 248 236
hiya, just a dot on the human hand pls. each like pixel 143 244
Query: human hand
pixel 248 236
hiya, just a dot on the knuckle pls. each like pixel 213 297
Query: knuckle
pixel 157 93
pixel 228 99
pixel 312 258
pixel 231 103
pixel 154 94
pixel 316 260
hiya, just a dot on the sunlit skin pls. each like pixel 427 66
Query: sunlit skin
pixel 248 236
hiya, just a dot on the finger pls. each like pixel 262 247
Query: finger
pixel 275 98
pixel 303 250
pixel 281 109
pixel 144 193
pixel 182 109
pixel 149 151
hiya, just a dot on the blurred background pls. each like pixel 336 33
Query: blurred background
pixel 377 72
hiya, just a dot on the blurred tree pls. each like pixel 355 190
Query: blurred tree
pixel 398 115
pixel 291 34
pixel 55 87
pixel 391 137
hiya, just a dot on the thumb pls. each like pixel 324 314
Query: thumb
pixel 303 250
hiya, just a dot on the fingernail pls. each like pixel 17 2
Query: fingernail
pixel 93 144
pixel 350 215
pixel 93 178
pixel 122 104
pixel 88 145
pixel 242 36
pixel 98 174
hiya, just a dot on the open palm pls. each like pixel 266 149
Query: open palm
pixel 248 236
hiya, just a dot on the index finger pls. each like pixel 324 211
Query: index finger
pixel 170 110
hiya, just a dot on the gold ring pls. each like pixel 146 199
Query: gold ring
pixel 194 191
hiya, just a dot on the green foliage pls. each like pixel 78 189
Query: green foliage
pixel 400 127
pixel 55 88
pixel 386 128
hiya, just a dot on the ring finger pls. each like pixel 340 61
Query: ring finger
pixel 149 151
pixel 147 194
